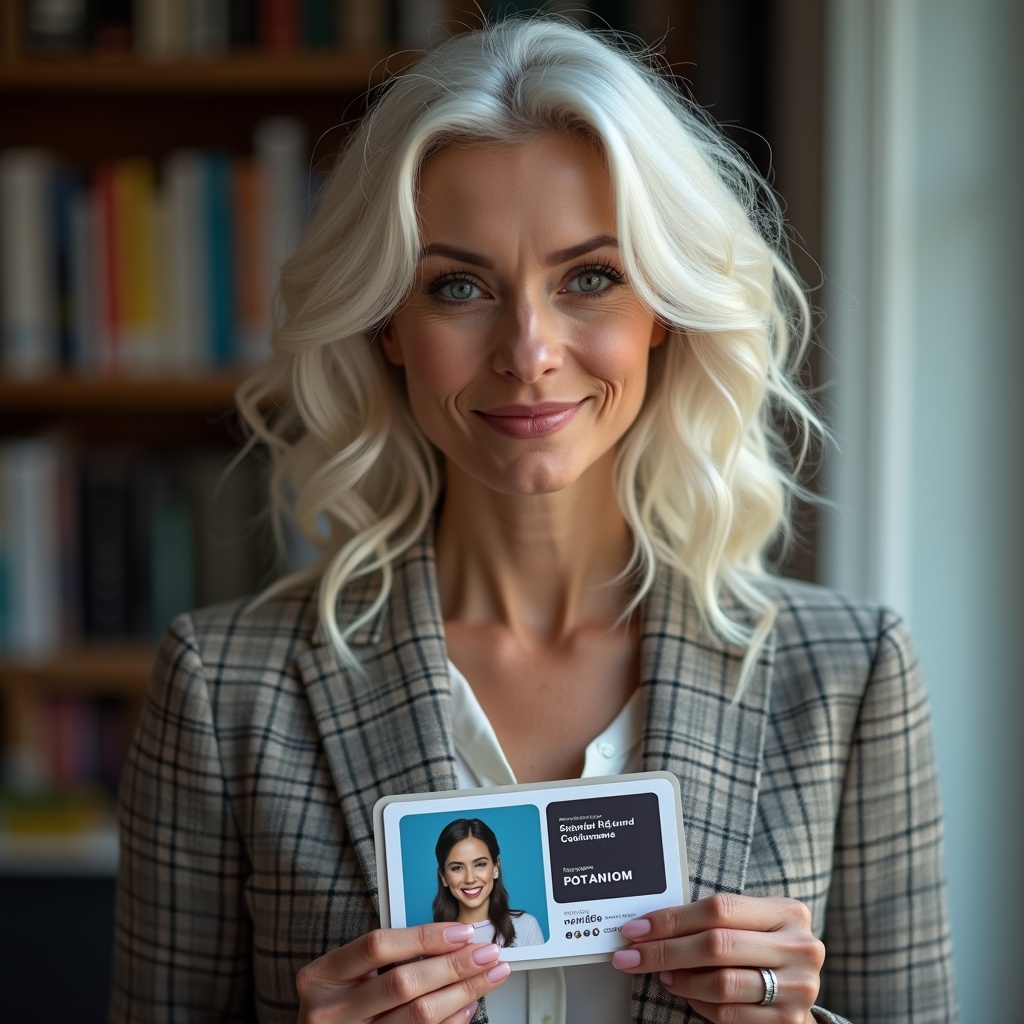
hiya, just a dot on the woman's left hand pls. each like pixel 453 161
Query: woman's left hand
pixel 711 953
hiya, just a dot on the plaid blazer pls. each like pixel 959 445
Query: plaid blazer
pixel 246 828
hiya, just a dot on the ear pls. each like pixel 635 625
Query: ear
pixel 389 343
pixel 659 334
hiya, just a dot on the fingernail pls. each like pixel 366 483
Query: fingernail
pixel 485 954
pixel 666 977
pixel 625 958
pixel 458 933
pixel 470 1010
pixel 499 972
pixel 636 929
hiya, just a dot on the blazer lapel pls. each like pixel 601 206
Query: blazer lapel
pixel 694 730
pixel 385 729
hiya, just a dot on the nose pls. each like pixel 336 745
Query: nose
pixel 528 345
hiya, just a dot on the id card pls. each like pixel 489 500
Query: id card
pixel 550 871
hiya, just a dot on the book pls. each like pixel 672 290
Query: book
pixel 135 262
pixel 220 259
pixel 105 488
pixel 29 480
pixel 29 343
pixel 61 27
pixel 209 27
pixel 280 149
pixel 278 25
pixel 363 24
pixel 319 24
pixel 185 261
pixel 420 22
pixel 242 24
pixel 233 546
pixel 252 301
pixel 161 29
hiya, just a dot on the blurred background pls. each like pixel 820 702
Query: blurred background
pixel 156 159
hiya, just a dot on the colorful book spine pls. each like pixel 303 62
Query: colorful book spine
pixel 217 180
pixel 279 25
pixel 136 266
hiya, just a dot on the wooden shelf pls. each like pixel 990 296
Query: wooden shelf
pixel 255 72
pixel 114 670
pixel 130 395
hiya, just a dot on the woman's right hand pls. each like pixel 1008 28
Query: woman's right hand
pixel 438 980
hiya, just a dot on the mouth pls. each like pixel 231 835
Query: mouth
pixel 473 893
pixel 526 421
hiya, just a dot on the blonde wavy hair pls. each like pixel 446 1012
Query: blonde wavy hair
pixel 702 477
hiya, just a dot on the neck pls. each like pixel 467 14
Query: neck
pixel 473 915
pixel 541 565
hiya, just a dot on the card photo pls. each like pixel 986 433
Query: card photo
pixel 550 872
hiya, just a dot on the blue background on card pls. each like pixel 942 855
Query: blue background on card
pixel 522 864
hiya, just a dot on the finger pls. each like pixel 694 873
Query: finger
pixel 451 1002
pixel 727 985
pixel 717 948
pixel 385 946
pixel 420 980
pixel 464 1015
pixel 722 910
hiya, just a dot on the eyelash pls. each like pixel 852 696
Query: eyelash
pixel 614 275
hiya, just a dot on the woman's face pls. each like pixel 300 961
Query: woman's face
pixel 525 350
pixel 469 874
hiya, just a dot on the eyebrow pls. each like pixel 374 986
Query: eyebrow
pixel 551 260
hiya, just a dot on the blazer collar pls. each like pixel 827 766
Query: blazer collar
pixel 387 729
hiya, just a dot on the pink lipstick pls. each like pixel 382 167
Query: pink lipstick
pixel 522 422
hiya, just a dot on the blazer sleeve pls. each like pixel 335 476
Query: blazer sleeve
pixel 182 946
pixel 887 938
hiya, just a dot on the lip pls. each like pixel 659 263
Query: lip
pixel 525 421
pixel 473 892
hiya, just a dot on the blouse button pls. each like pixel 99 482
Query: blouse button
pixel 605 749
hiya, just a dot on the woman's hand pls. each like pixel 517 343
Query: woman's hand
pixel 711 953
pixel 438 980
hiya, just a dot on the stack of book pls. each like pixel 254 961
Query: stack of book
pixel 164 30
pixel 188 29
pixel 134 268
pixel 109 546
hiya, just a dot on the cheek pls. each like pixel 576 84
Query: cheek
pixel 436 364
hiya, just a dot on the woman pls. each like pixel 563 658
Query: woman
pixel 533 349
pixel 470 889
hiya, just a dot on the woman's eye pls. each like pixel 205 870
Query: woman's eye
pixel 593 281
pixel 457 290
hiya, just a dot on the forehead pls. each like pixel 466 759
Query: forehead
pixel 469 849
pixel 554 186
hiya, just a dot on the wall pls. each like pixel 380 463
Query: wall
pixel 926 342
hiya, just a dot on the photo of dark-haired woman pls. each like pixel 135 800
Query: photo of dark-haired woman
pixel 470 889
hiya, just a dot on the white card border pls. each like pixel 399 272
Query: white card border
pixel 383 889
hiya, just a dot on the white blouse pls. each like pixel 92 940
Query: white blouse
pixel 587 993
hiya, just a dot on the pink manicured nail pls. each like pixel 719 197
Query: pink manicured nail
pixel 485 954
pixel 499 972
pixel 471 1009
pixel 625 958
pixel 458 933
pixel 636 929
pixel 666 977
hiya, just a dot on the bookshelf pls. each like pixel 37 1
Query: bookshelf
pixel 87 109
